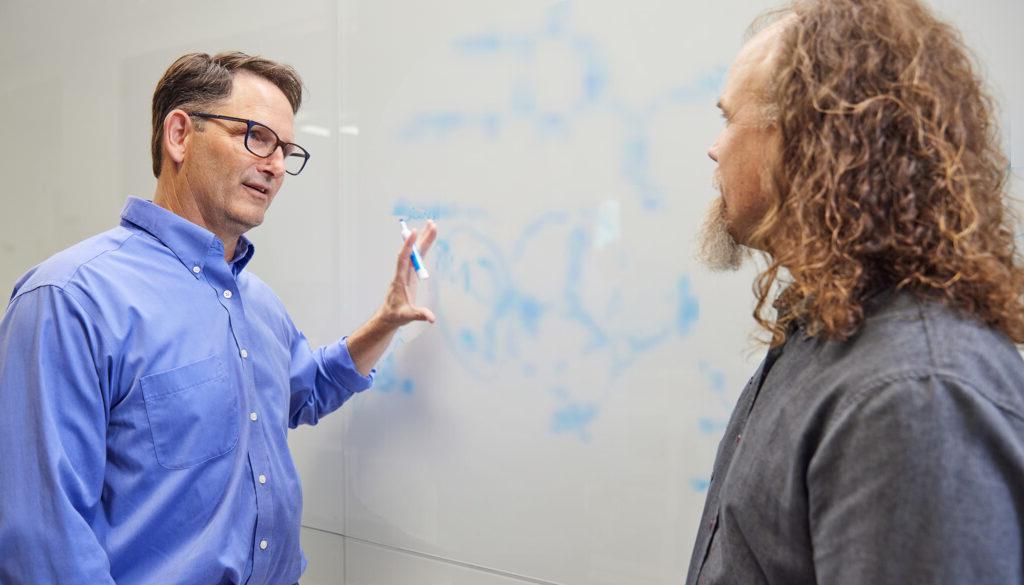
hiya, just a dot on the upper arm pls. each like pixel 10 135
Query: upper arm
pixel 53 418
pixel 920 479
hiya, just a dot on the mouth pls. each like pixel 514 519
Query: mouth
pixel 260 189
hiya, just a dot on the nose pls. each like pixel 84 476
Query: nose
pixel 273 164
pixel 713 152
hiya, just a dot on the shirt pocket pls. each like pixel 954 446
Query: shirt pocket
pixel 193 413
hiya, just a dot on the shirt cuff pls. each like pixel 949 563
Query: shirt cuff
pixel 340 366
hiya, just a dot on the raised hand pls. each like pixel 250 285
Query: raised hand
pixel 400 303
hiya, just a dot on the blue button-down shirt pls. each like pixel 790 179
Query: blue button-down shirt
pixel 146 391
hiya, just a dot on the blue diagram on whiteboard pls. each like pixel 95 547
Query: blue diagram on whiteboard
pixel 552 119
pixel 567 305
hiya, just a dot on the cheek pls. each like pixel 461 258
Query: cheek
pixel 731 156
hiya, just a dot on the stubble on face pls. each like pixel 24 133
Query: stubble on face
pixel 222 210
pixel 717 249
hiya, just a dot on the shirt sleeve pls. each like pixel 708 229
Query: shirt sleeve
pixel 53 419
pixel 321 380
pixel 919 480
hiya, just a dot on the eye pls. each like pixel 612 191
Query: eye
pixel 261 135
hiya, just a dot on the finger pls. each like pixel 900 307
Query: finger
pixel 412 281
pixel 429 234
pixel 425 314
pixel 403 255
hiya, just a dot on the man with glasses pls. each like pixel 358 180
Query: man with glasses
pixel 147 381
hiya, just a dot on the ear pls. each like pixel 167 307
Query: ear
pixel 178 130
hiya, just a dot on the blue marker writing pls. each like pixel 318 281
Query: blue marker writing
pixel 417 262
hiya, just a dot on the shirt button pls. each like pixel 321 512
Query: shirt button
pixel 264 544
pixel 252 416
pixel 227 294
pixel 196 269
pixel 263 479
pixel 244 353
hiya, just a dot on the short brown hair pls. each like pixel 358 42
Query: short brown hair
pixel 197 80
pixel 891 173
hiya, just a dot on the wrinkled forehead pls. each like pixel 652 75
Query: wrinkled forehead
pixel 258 99
pixel 751 70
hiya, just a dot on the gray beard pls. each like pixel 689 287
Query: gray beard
pixel 716 248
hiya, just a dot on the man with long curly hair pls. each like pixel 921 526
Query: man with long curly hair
pixel 882 439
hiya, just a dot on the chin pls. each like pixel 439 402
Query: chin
pixel 717 248
pixel 248 215
pixel 255 219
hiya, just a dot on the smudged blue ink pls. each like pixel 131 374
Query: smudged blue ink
pixel 490 123
pixel 531 311
pixel 635 156
pixel 688 312
pixel 468 339
pixel 560 393
pixel 552 124
pixel 717 381
pixel 577 246
pixel 715 377
pixel 595 83
pixel 699 484
pixel 533 229
pixel 640 344
pixel 709 426
pixel 467 282
pixel 595 77
pixel 636 168
pixel 433 125
pixel 574 418
pixel 523 100
pixel 410 212
pixel 558 14
pixel 386 380
pixel 704 86
pixel 478 44
pixel 442 261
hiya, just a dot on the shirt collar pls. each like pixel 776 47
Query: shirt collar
pixel 192 244
pixel 243 253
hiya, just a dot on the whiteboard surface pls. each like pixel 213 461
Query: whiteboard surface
pixel 558 423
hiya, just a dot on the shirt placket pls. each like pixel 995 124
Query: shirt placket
pixel 258 454
pixel 730 444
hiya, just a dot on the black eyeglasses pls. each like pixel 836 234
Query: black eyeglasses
pixel 262 141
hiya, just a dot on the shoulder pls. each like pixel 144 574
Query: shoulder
pixel 910 345
pixel 63 268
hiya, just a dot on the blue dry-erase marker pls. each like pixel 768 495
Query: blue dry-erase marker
pixel 417 262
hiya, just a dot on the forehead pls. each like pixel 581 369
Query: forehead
pixel 749 71
pixel 259 99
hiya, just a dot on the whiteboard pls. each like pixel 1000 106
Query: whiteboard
pixel 558 423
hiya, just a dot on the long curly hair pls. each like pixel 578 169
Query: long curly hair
pixel 891 173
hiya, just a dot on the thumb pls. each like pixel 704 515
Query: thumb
pixel 424 314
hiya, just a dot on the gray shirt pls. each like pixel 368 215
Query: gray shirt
pixel 896 457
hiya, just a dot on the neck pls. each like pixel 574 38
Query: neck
pixel 177 198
